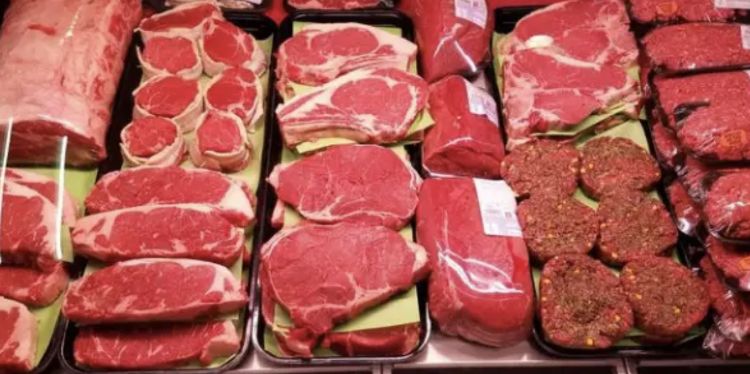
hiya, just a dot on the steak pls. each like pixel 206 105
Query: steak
pixel 18 337
pixel 161 231
pixel 173 185
pixel 159 57
pixel 220 143
pixel 32 287
pixel 155 346
pixel 367 106
pixel 236 91
pixel 184 20
pixel 694 46
pixel 321 52
pixel 658 11
pixel 387 341
pixel 48 188
pixel 333 4
pixel 565 62
pixel 67 90
pixel 466 138
pixel 475 276
pixel 152 141
pixel 153 290
pixel 224 45
pixel 172 97
pixel 727 208
pixel 333 186
pixel 30 228
pixel 353 269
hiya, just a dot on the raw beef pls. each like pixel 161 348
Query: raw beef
pixel 353 268
pixel 666 145
pixel 367 106
pixel 333 4
pixel 466 137
pixel 692 46
pixel 30 228
pixel 68 89
pixel 732 260
pixel 236 91
pixel 658 11
pixel 32 287
pixel 732 308
pixel 155 346
pixel 220 143
pixel 152 290
pixel 453 35
pixel 173 185
pixel 224 45
pixel 362 184
pixel 229 4
pixel 166 231
pixel 152 141
pixel 321 52
pixel 17 337
pixel 186 20
pixel 565 62
pixel 686 212
pixel 727 208
pixel 177 55
pixel 475 277
pixel 48 188
pixel 172 97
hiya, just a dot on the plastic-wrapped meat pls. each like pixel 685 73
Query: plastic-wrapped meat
pixel 686 212
pixel 692 174
pixel 163 55
pixel 691 46
pixel 475 276
pixel 722 346
pixel 236 91
pixel 732 308
pixel 732 259
pixel 152 141
pixel 466 138
pixel 185 20
pixel 220 143
pixel 666 145
pixel 453 35
pixel 224 45
pixel 172 97
pixel 32 287
pixel 727 207
pixel 68 89
pixel 662 11
pixel 335 4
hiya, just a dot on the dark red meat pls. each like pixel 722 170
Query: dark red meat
pixel 542 166
pixel 687 213
pixel 610 163
pixel 666 146
pixel 727 207
pixel 733 260
pixel 658 11
pixel 732 307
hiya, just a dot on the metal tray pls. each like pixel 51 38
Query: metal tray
pixel 381 5
pixel 259 26
pixel 160 6
pixel 274 146
pixel 505 21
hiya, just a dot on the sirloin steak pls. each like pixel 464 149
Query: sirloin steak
pixel 32 287
pixel 154 346
pixel 173 185
pixel 18 337
pixel 320 52
pixel 363 184
pixel 327 274
pixel 152 290
pixel 367 106
pixel 162 231
pixel 47 187
pixel 185 20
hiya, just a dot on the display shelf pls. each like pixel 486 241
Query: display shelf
pixel 256 364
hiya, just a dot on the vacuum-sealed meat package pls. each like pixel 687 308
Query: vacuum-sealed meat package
pixel 727 208
pixel 661 11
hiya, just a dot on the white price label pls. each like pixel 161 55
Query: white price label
pixel 497 206
pixel 745 35
pixel 732 4
pixel 481 103
pixel 473 11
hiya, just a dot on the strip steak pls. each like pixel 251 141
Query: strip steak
pixel 32 287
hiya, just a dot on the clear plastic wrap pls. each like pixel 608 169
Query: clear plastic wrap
pixel 453 35
pixel 466 139
pixel 687 213
pixel 651 11
pixel 666 146
pixel 480 267
pixel 338 4
pixel 733 260
pixel 727 207
pixel 732 308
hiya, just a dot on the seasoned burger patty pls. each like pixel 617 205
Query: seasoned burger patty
pixel 557 224
pixel 542 166
pixel 610 163
pixel 632 224
pixel 667 298
pixel 582 303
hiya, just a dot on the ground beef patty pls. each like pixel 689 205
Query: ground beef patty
pixel 667 298
pixel 610 163
pixel 538 166
pixel 632 224
pixel 733 261
pixel 582 303
pixel 727 208
pixel 554 225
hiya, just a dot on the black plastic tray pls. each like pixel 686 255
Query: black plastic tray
pixel 160 5
pixel 382 5
pixel 505 21
pixel 259 26
pixel 274 147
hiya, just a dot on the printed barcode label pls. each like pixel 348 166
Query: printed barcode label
pixel 472 10
pixel 732 4
pixel 481 103
pixel 497 206
pixel 745 34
